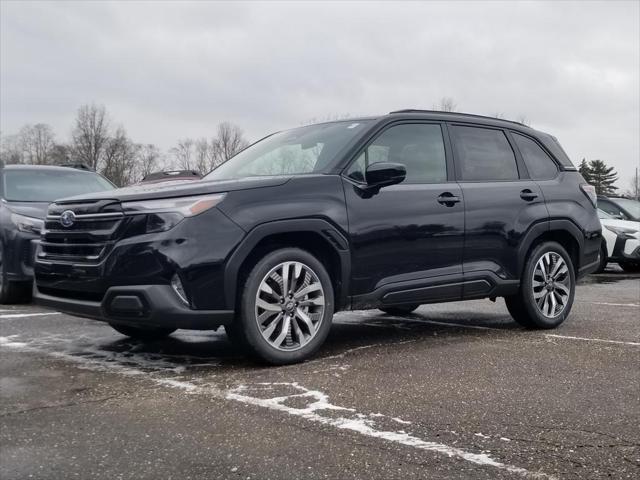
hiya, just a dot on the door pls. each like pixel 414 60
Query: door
pixel 407 236
pixel 500 206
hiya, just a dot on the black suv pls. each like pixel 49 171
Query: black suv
pixel 25 194
pixel 389 212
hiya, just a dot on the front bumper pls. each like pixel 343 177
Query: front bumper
pixel 19 256
pixel 140 306
pixel 626 250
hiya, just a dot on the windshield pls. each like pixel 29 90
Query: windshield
pixel 292 152
pixel 631 206
pixel 49 185
pixel 603 214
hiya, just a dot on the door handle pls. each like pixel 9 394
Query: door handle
pixel 448 199
pixel 528 195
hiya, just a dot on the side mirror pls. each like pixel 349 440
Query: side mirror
pixel 383 174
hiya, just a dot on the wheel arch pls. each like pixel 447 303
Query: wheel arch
pixel 562 231
pixel 317 236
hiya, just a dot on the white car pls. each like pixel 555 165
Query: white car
pixel 621 243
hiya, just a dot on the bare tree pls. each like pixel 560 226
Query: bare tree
pixel 447 104
pixel 59 154
pixel 204 156
pixel 90 135
pixel 37 141
pixel 148 160
pixel 229 140
pixel 11 150
pixel 119 158
pixel 183 154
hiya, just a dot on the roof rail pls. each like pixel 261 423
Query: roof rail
pixel 416 110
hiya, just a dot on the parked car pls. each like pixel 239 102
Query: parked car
pixel 385 212
pixel 621 243
pixel 171 175
pixel 25 194
pixel 620 207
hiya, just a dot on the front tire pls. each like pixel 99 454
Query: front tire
pixel 142 333
pixel 286 307
pixel 547 288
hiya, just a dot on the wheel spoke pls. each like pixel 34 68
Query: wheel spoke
pixel 307 321
pixel 286 325
pixel 553 304
pixel 272 307
pixel 272 326
pixel 540 294
pixel 318 302
pixel 285 279
pixel 314 287
pixel 556 267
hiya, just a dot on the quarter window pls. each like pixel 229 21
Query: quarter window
pixel 419 147
pixel 539 164
pixel 484 154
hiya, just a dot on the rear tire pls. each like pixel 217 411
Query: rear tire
pixel 603 259
pixel 143 333
pixel 631 267
pixel 547 288
pixel 399 310
pixel 286 308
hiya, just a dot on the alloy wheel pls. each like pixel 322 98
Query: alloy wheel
pixel 290 305
pixel 551 284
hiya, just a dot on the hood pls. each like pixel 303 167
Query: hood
pixel 29 209
pixel 179 188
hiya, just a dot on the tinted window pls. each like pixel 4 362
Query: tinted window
pixel 419 147
pixel 539 164
pixel 484 154
pixel 49 185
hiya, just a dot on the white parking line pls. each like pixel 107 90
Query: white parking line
pixel 614 304
pixel 569 337
pixel 22 315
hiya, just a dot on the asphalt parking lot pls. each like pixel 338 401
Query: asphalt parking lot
pixel 454 391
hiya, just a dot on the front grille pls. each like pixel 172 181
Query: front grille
pixel 94 229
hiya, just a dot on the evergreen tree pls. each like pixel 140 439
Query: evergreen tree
pixel 585 170
pixel 602 177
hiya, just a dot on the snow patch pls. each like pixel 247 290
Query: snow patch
pixel 318 404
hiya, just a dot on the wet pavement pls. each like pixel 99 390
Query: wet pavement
pixel 452 391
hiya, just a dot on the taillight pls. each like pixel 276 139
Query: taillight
pixel 590 192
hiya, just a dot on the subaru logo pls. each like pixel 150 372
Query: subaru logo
pixel 67 218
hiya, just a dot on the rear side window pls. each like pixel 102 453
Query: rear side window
pixel 539 164
pixel 484 154
pixel 419 147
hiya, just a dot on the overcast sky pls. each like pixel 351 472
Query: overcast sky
pixel 168 70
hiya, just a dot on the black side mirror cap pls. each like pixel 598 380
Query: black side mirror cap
pixel 383 174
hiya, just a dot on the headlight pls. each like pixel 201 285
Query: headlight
pixel 164 214
pixel 185 206
pixel 622 231
pixel 27 224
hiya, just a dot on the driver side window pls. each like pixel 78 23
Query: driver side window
pixel 419 147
